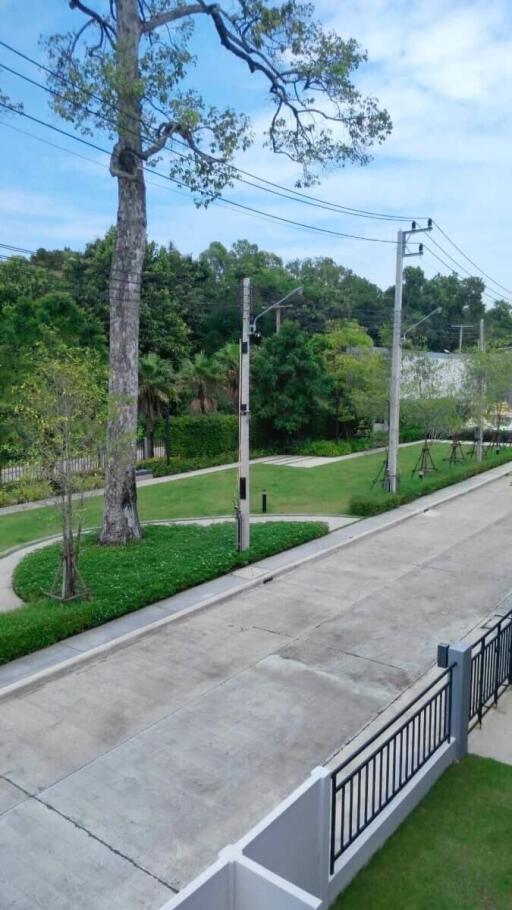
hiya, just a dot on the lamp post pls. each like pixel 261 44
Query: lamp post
pixel 243 532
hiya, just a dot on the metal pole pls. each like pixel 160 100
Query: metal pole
pixel 167 434
pixel 480 438
pixel 461 336
pixel 394 388
pixel 278 319
pixel 243 413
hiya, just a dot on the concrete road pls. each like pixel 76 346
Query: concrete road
pixel 121 778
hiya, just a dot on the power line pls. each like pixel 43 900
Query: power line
pixel 503 288
pixel 459 266
pixel 231 202
pixel 451 269
pixel 268 185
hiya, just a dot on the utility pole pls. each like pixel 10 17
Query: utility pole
pixel 391 480
pixel 278 319
pixel 243 511
pixel 480 437
pixel 461 333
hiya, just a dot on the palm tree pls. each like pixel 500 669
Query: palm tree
pixel 158 387
pixel 202 375
pixel 228 363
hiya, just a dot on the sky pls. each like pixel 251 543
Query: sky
pixel 443 70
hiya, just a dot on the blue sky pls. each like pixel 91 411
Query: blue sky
pixel 443 70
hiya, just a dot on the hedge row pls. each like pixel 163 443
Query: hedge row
pixel 206 435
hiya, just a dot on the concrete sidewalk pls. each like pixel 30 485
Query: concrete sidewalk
pixel 122 776
pixel 494 738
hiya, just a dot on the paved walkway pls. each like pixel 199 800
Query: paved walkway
pixel 121 777
pixel 9 600
pixel 494 739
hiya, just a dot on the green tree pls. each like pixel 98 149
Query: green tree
pixel 159 385
pixel 288 381
pixel 228 366
pixel 201 376
pixel 126 63
pixel 357 376
pixel 61 413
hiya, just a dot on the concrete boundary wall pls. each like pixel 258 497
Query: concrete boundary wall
pixel 283 863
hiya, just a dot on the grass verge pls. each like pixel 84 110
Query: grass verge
pixel 325 490
pixel 376 501
pixel 452 853
pixel 123 579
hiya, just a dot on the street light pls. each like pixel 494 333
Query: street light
pixel 243 530
pixel 411 328
pixel 278 305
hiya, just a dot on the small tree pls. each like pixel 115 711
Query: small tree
pixel 429 403
pixel 488 385
pixel 62 413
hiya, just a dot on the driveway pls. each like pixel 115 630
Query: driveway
pixel 121 778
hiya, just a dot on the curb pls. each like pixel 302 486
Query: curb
pixel 116 643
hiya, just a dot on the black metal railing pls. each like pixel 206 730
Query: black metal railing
pixel 491 669
pixel 361 790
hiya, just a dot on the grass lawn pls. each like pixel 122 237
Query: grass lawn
pixel 123 579
pixel 452 853
pixel 326 490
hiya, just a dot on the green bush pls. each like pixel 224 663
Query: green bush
pixel 411 434
pixel 19 491
pixel 328 448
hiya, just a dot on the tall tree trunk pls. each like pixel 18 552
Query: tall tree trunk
pixel 120 518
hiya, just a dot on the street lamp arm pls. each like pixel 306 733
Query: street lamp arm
pixel 274 306
pixel 416 324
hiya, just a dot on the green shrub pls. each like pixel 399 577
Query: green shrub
pixel 24 491
pixel 411 434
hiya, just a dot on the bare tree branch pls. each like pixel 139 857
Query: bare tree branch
pixel 180 12
pixel 103 23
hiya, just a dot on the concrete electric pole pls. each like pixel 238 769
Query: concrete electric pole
pixel 461 333
pixel 480 436
pixel 396 353
pixel 243 512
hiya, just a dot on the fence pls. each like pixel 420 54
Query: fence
pixel 16 471
pixel 491 669
pixel 361 793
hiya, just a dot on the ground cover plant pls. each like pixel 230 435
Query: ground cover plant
pixel 326 490
pixel 123 579
pixel 452 853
